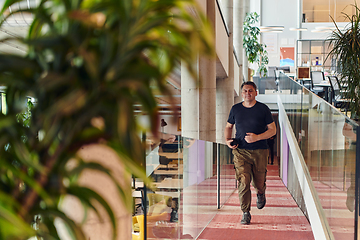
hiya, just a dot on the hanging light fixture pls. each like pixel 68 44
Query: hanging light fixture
pixel 272 29
pixel 22 19
pixel 298 29
pixel 324 29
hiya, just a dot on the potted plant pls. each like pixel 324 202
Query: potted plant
pixel 88 63
pixel 255 51
pixel 346 50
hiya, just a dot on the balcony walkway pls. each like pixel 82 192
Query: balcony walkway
pixel 281 218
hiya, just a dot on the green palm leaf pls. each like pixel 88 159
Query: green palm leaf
pixel 346 49
pixel 87 60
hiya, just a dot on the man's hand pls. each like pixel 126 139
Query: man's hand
pixel 228 141
pixel 251 137
pixel 227 134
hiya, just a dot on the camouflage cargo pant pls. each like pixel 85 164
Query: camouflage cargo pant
pixel 250 165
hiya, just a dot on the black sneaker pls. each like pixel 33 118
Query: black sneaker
pixel 246 218
pixel 174 216
pixel 261 200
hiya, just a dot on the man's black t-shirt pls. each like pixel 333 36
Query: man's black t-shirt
pixel 250 120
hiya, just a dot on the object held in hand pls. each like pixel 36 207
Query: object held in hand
pixel 234 142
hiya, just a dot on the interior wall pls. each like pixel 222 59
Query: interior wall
pixel 223 4
pixel 311 27
pixel 221 43
pixel 321 10
pixel 279 13
pixel 173 124
pixel 285 13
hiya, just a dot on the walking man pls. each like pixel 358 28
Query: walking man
pixel 254 125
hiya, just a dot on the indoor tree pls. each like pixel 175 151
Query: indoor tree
pixel 255 51
pixel 86 60
pixel 346 50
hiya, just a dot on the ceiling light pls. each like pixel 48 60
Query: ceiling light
pixel 271 29
pixel 321 30
pixel 325 28
pixel 22 19
pixel 298 29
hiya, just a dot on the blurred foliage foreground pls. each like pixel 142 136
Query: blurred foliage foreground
pixel 88 63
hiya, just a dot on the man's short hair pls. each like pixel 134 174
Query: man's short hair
pixel 249 83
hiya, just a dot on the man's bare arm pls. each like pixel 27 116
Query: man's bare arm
pixel 252 137
pixel 228 133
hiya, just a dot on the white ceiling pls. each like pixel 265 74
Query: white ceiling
pixel 16 26
pixel 12 47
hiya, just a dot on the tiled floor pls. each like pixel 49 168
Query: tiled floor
pixel 340 219
pixel 280 219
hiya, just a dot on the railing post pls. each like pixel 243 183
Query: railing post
pixel 218 173
pixel 144 195
pixel 357 182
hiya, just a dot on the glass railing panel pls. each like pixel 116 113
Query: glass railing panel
pixel 293 185
pixel 296 106
pixel 267 91
pixel 183 197
pixel 188 204
pixel 291 95
pixel 331 155
pixel 227 173
pixel 165 166
pixel 327 140
pixel 265 85
pixel 199 196
pixel 307 99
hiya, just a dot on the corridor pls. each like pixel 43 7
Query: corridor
pixel 280 219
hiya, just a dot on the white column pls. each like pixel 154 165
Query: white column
pixel 225 87
pixel 207 99
pixel 198 102
pixel 298 34
pixel 238 20
pixel 246 9
pixel 189 104
pixel 207 91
